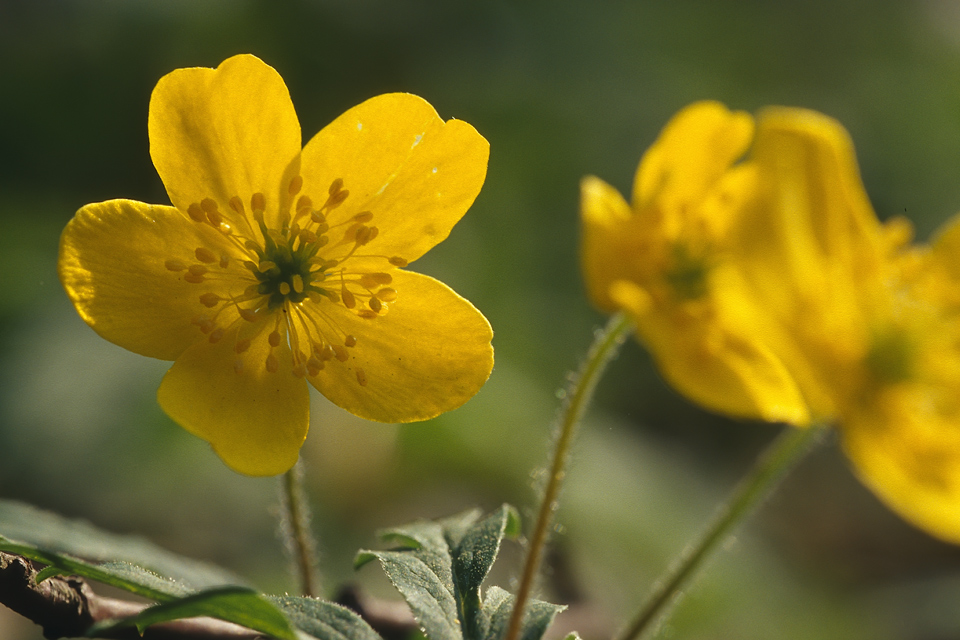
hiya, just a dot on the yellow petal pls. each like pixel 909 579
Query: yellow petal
pixel 720 362
pixel 416 173
pixel 910 457
pixel 430 353
pixel 224 132
pixel 608 249
pixel 113 258
pixel 696 147
pixel 255 420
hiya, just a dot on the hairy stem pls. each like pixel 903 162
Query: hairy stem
pixel 780 457
pixel 605 345
pixel 295 526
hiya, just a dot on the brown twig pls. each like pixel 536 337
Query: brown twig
pixel 66 607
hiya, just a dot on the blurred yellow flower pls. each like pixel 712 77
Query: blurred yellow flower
pixel 868 325
pixel 276 266
pixel 666 261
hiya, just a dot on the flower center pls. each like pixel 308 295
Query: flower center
pixel 292 274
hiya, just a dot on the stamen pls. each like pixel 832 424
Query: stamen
pixel 212 210
pixel 274 339
pixel 363 216
pixel 242 345
pixel 194 278
pixel 327 352
pixel 216 335
pixel 340 352
pixel 397 261
pixel 304 202
pixel 224 261
pixel 236 204
pixel 366 314
pixel 197 269
pixel 336 199
pixel 272 363
pixel 318 217
pixel 297 283
pixel 350 341
pixel 314 366
pixel 205 255
pixel 361 377
pixel 387 294
pixel 295 185
pixel 375 305
pixel 175 265
pixel 195 211
pixel 284 288
pixel 335 186
pixel 259 204
pixel 348 300
pixel 250 315
pixel 210 300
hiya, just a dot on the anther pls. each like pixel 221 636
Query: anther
pixel 375 305
pixel 308 236
pixel 382 278
pixel 397 261
pixel 335 186
pixel 295 185
pixel 266 265
pixel 216 335
pixel 224 261
pixel 304 202
pixel 206 324
pixel 336 199
pixel 272 363
pixel 250 315
pixel 348 300
pixel 209 300
pixel 314 367
pixel 242 345
pixel 297 283
pixel 387 294
pixel 350 341
pixel 236 204
pixel 366 314
pixel 194 278
pixel 205 255
pixel 340 352
pixel 197 269
pixel 174 265
pixel 212 210
pixel 327 352
pixel 361 377
pixel 284 288
pixel 274 339
pixel 318 217
pixel 195 211
pixel 258 203
pixel 363 216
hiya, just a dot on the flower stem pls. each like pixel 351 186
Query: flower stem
pixel 605 345
pixel 296 529
pixel 780 457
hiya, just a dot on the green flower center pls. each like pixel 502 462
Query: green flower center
pixel 284 272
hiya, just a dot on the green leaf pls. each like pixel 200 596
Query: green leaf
pixel 498 606
pixel 325 620
pixel 439 570
pixel 122 575
pixel 53 533
pixel 239 605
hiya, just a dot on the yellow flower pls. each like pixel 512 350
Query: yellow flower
pixel 665 261
pixel 868 325
pixel 276 266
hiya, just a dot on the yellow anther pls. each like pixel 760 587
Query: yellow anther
pixel 340 352
pixel 274 339
pixel 193 278
pixel 174 265
pixel 250 315
pixel 397 261
pixel 387 295
pixel 209 300
pixel 238 366
pixel 216 335
pixel 382 278
pixel 205 255
pixel 224 261
pixel 284 288
pixel 363 216
pixel 375 305
pixel 327 352
pixel 297 283
pixel 295 185
pixel 252 291
pixel 195 211
pixel 272 363
pixel 258 202
pixel 209 205
pixel 236 204
pixel 318 217
pixel 335 186
pixel 367 281
pixel 299 370
pixel 197 269
pixel 250 245
pixel 361 377
pixel 251 265
pixel 304 202
pixel 350 341
pixel 308 236
pixel 242 345
pixel 314 366
pixel 266 265
pixel 374 232
pixel 348 300
pixel 314 296
pixel 206 324
pixel 362 235
pixel 336 199
pixel 366 314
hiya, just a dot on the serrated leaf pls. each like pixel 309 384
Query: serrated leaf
pixel 239 605
pixel 498 607
pixel 441 567
pixel 325 620
pixel 51 532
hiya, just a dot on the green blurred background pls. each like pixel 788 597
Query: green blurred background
pixel 560 89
